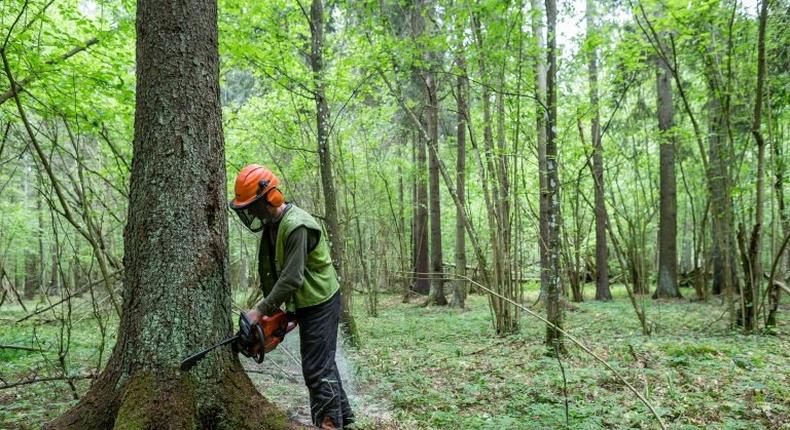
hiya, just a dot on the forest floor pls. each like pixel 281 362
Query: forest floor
pixel 438 368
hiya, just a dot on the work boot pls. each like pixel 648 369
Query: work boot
pixel 328 424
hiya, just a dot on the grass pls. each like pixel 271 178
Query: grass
pixel 444 368
pixel 29 406
pixel 438 368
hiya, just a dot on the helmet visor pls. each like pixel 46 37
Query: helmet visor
pixel 253 223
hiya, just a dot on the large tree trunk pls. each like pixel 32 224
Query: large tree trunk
pixel 52 288
pixel 503 204
pixel 33 262
pixel 422 277
pixel 667 225
pixel 40 272
pixel 325 166
pixel 602 291
pixel 32 280
pixel 176 295
pixel 421 282
pixel 459 285
pixel 715 137
pixel 780 168
pixel 751 291
pixel 436 296
pixel 540 125
pixel 553 287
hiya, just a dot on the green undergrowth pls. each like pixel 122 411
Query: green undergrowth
pixel 440 368
pixel 444 368
pixel 29 406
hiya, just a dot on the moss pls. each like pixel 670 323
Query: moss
pixel 151 402
pixel 243 407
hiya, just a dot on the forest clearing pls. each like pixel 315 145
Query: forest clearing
pixel 394 214
pixel 456 375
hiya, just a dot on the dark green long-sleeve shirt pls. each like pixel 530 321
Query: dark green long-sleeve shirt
pixel 297 245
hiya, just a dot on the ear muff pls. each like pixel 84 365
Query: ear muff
pixel 275 197
pixel 270 193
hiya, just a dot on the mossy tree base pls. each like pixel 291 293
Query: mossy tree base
pixel 147 400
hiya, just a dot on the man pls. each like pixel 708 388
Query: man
pixel 295 268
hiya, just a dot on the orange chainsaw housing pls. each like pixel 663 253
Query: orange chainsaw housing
pixel 275 327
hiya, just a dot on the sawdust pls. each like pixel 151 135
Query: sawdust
pixel 279 378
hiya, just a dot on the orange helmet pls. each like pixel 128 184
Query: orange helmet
pixel 253 183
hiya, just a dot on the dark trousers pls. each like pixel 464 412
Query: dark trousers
pixel 318 338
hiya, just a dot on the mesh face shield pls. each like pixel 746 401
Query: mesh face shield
pixel 253 223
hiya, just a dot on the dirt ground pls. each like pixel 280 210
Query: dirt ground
pixel 280 379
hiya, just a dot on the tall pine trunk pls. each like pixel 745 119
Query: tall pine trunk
pixel 34 262
pixel 540 125
pixel 780 168
pixel 176 295
pixel 459 285
pixel 553 287
pixel 667 225
pixel 437 297
pixel 422 277
pixel 751 291
pixel 602 291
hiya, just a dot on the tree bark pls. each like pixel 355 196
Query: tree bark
pixel 602 291
pixel 334 233
pixel 553 287
pixel 722 238
pixel 503 202
pixel 751 291
pixel 52 289
pixel 667 224
pixel 714 144
pixel 505 314
pixel 422 277
pixel 33 262
pixel 176 295
pixel 32 280
pixel 780 168
pixel 40 273
pixel 540 125
pixel 436 296
pixel 459 285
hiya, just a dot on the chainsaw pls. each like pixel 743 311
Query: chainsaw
pixel 254 339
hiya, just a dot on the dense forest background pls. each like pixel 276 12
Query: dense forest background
pixel 450 148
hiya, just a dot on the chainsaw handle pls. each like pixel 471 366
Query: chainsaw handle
pixel 261 342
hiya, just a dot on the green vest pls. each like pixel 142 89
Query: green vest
pixel 320 278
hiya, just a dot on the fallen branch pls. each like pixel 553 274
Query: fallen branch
pixel 291 376
pixel 20 347
pixel 35 380
pixel 485 348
